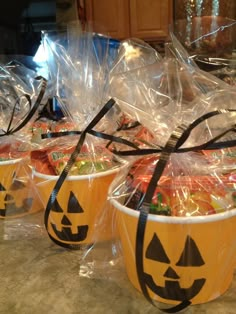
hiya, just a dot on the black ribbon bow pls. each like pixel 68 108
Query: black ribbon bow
pixel 32 110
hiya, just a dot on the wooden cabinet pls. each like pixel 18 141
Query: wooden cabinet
pixel 149 19
pixel 109 17
pixel 145 19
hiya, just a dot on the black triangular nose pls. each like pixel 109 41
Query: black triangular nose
pixel 170 273
pixel 65 221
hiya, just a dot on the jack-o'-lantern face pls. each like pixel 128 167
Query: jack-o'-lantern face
pixel 13 202
pixel 64 225
pixel 172 290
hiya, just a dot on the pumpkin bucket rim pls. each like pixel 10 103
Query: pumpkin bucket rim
pixel 81 176
pixel 10 161
pixel 173 219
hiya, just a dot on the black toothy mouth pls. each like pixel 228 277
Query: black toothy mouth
pixel 66 234
pixel 172 289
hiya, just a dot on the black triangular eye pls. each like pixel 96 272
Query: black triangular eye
pixel 156 252
pixel 56 207
pixel 191 255
pixel 74 205
pixel 2 187
pixel 66 221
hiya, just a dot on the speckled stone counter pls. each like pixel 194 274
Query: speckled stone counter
pixel 39 277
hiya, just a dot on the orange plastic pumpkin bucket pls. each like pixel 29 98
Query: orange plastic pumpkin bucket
pixel 189 258
pixel 80 203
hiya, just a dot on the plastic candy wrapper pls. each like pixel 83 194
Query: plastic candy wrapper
pixel 21 93
pixel 173 206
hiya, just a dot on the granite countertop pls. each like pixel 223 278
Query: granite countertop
pixel 38 277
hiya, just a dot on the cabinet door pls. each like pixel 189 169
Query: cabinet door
pixel 150 19
pixel 109 17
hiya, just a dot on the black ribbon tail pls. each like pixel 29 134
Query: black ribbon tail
pixel 33 108
pixel 57 188
pixel 67 168
pixel 139 253
pixel 175 140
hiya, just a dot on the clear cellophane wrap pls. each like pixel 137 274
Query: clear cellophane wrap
pixel 176 183
pixel 73 167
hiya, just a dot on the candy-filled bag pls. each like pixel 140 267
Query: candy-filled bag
pixel 73 168
pixel 179 191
